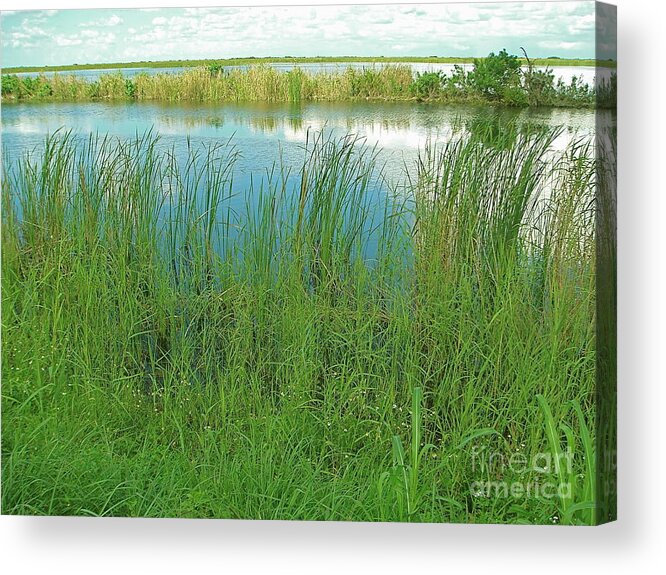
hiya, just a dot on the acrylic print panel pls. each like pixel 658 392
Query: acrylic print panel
pixel 310 263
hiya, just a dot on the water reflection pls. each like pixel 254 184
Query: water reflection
pixel 264 133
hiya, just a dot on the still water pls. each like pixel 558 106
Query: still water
pixel 265 133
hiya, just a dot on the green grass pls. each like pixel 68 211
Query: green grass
pixel 291 60
pixel 168 354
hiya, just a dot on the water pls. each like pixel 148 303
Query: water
pixel 268 134
pixel 584 73
pixel 264 133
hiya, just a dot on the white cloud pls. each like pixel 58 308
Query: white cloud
pixel 113 20
pixel 582 25
pixel 554 45
pixel 26 36
pixel 67 41
pixel 102 40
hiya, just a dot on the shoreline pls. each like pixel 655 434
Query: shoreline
pixel 552 62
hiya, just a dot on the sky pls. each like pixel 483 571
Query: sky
pixel 58 37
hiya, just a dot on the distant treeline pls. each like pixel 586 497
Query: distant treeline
pixel 499 78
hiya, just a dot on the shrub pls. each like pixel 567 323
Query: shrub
pixel 513 96
pixel 458 81
pixel 493 74
pixel 93 90
pixel 539 86
pixel 10 85
pixel 427 85
pixel 575 92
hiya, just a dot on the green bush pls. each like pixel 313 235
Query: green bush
pixel 575 92
pixel 513 96
pixel 10 84
pixel 606 92
pixel 539 86
pixel 458 81
pixel 365 84
pixel 27 87
pixel 427 85
pixel 492 75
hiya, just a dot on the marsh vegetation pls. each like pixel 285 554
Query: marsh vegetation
pixel 323 351
pixel 497 79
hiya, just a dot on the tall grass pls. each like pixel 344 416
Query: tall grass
pixel 309 348
pixel 257 83
pixel 263 83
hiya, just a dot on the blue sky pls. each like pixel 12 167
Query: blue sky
pixel 56 37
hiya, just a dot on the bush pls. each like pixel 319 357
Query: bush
pixel 427 85
pixel 10 85
pixel 459 81
pixel 539 86
pixel 26 87
pixel 575 92
pixel 514 96
pixel 492 75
